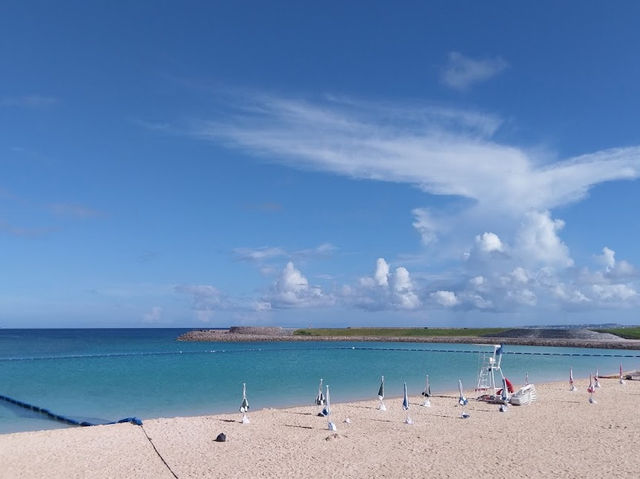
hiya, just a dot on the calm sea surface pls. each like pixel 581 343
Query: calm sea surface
pixel 108 374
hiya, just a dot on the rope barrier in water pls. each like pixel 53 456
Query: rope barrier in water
pixel 64 419
pixel 326 348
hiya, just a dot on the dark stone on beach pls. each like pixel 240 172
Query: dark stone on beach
pixel 222 437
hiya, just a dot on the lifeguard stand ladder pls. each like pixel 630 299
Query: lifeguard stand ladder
pixel 487 375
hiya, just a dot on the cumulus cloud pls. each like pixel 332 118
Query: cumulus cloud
pixel 537 241
pixel 507 189
pixel 381 275
pixel 403 290
pixel 292 290
pixel 461 72
pixel 489 242
pixel 447 299
pixel 614 292
pixel 383 291
pixel 608 258
pixel 613 268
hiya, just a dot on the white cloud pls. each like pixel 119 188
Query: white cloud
pixel 383 291
pixel 489 242
pixel 511 190
pixel 267 253
pixel 425 225
pixel 613 268
pixel 520 275
pixel 614 292
pixel 403 290
pixel 442 151
pixel 523 296
pixel 461 72
pixel 381 275
pixel 569 294
pixel 292 290
pixel 447 299
pixel 537 241
pixel 258 254
pixel 608 258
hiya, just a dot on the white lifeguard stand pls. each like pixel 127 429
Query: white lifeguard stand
pixel 487 375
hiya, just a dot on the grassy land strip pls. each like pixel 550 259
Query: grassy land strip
pixel 397 332
pixel 627 333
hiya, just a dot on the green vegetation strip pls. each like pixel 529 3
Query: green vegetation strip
pixel 627 333
pixel 398 332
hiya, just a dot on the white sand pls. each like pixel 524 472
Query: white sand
pixel 561 435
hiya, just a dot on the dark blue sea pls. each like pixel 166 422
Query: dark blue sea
pixel 107 374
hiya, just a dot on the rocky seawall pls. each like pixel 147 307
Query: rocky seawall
pixel 570 338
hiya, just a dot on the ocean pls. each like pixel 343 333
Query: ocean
pixel 103 375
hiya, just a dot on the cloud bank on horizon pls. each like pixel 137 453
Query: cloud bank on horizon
pixel 506 247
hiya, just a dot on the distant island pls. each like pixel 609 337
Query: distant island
pixel 615 338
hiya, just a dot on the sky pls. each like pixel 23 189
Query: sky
pixel 324 164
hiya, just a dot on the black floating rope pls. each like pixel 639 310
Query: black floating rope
pixel 64 419
pixel 326 348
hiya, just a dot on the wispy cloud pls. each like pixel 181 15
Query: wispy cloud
pixel 266 253
pixel 29 101
pixel 24 232
pixel 73 210
pixel 444 152
pixel 461 72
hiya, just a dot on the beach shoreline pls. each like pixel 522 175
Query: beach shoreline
pixel 560 435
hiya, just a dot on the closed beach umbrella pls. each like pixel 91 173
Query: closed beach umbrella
pixel 461 400
pixel 427 393
pixel 405 405
pixel 427 388
pixel 405 399
pixel 244 406
pixel 320 396
pixel 621 378
pixel 591 389
pixel 326 411
pixel 596 379
pixel 381 406
pixel 572 387
pixel 504 395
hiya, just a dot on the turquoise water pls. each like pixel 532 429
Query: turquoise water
pixel 108 374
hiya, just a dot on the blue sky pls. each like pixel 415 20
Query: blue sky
pixel 361 163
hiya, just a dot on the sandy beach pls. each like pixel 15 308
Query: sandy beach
pixel 560 435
